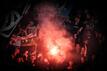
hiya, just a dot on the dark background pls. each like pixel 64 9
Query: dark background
pixel 99 8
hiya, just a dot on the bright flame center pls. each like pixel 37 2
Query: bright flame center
pixel 54 51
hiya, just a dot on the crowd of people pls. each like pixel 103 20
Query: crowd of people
pixel 81 26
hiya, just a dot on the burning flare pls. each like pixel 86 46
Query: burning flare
pixel 56 44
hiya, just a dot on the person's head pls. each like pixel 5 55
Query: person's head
pixel 77 20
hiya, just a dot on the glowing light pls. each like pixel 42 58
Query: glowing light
pixel 54 51
pixel 46 61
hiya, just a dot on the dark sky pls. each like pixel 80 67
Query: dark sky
pixel 96 4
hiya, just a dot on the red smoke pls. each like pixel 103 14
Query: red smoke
pixel 56 44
